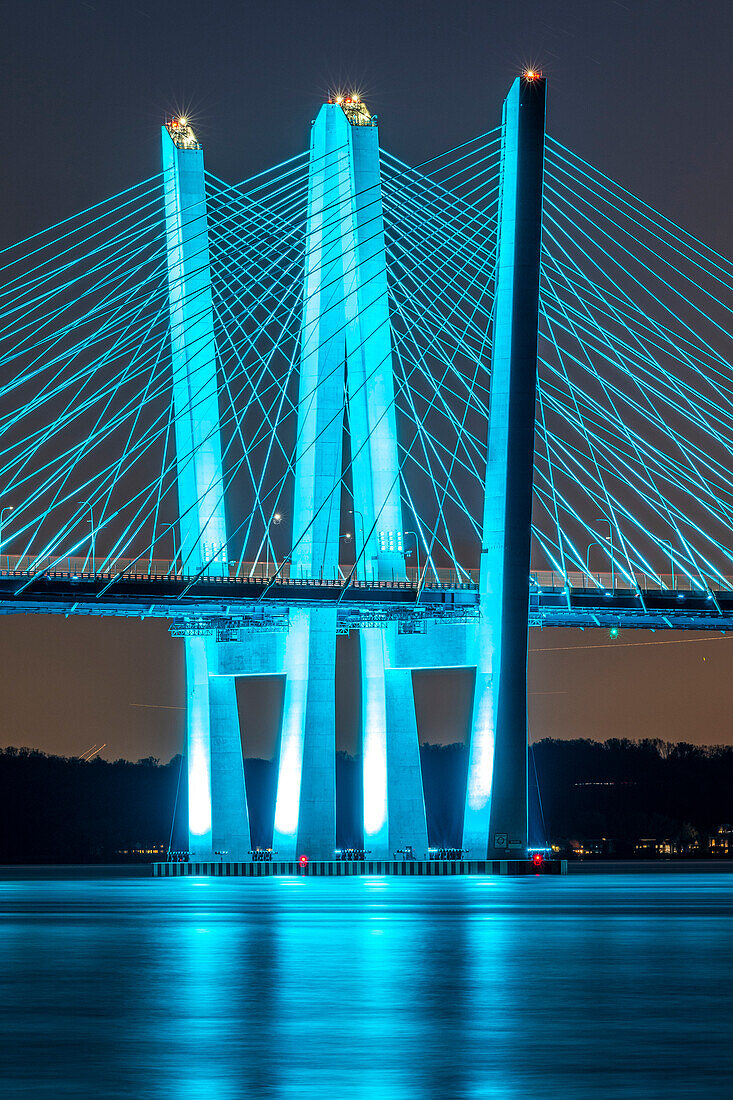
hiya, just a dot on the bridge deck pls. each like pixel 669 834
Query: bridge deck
pixel 185 598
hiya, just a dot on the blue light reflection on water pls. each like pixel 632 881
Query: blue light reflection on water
pixel 604 986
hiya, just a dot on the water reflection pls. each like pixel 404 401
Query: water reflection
pixel 367 988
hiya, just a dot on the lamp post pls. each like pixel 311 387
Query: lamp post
pixel 587 556
pixel 668 544
pixel 356 512
pixel 274 522
pixel 602 519
pixel 94 535
pixel 7 508
pixel 347 538
pixel 417 551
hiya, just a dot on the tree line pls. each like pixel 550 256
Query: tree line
pixel 65 810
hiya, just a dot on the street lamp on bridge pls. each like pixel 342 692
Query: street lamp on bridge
pixel 7 508
pixel 417 552
pixel 609 540
pixel 587 555
pixel 274 522
pixel 668 544
pixel 93 540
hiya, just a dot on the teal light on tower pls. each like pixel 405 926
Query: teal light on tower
pixel 218 819
pixel 495 821
pixel 346 365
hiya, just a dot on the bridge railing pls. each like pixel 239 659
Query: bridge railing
pixel 161 568
pixel 618 582
pixel 263 572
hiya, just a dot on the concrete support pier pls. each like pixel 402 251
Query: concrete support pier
pixel 346 375
pixel 495 820
pixel 218 819
pixel 305 808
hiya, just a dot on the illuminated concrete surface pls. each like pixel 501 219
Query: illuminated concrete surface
pixel 217 796
pixel 345 368
pixel 495 819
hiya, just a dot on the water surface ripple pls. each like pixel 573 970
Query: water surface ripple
pixel 600 986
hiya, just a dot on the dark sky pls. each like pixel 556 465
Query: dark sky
pixel 639 88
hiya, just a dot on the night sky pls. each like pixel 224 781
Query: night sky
pixel 638 89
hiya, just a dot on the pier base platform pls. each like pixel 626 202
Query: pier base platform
pixel 320 868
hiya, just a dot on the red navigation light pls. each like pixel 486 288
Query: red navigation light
pixel 303 861
pixel 538 859
pixel 531 74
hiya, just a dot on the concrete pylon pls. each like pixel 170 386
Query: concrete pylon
pixel 394 804
pixel 218 818
pixel 346 361
pixel 495 821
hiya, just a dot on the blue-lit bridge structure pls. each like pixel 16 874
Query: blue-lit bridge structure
pixel 434 405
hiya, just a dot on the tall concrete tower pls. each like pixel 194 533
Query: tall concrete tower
pixel 495 819
pixel 346 368
pixel 218 819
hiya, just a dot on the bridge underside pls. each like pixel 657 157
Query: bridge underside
pixel 211 605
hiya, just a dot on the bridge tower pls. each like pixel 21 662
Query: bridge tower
pixel 346 369
pixel 218 818
pixel 495 821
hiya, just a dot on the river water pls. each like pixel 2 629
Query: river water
pixel 601 986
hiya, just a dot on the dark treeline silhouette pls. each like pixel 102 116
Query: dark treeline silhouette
pixel 58 809
pixel 626 790
pixel 65 810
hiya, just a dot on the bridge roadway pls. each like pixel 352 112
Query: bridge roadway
pixel 260 597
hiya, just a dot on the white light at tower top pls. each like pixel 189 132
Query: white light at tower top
pixel 354 108
pixel 181 133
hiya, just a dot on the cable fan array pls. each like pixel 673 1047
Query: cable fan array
pixel 439 343
pixel 635 413
pixel 634 427
pixel 85 382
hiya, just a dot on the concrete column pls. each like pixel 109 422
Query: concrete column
pixel 372 417
pixel 217 800
pixel 317 820
pixel 305 809
pixel 346 357
pixel 193 355
pixel 230 817
pixel 407 821
pixel 394 807
pixel 495 821
pixel 394 804
pixel 217 805
pixel 374 738
pixel 198 750
pixel 328 288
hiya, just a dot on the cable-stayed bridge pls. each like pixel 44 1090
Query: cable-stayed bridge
pixel 429 404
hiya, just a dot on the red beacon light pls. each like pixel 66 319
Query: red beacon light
pixel 531 74
pixel 538 859
pixel 303 861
